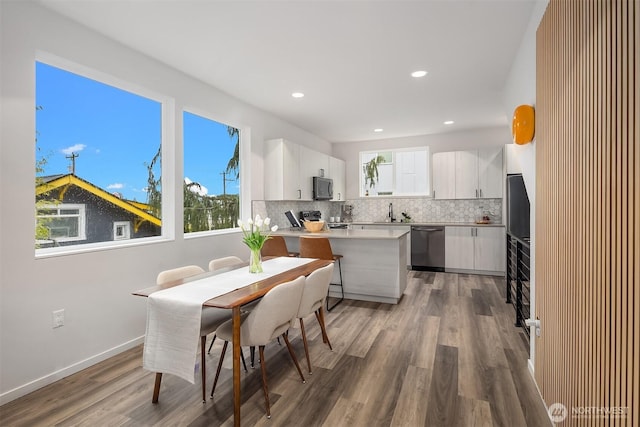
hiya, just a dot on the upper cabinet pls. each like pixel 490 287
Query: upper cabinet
pixel 468 174
pixel 289 170
pixel 281 170
pixel 337 172
pixel 490 175
pixel 466 181
pixel 312 163
pixel 444 175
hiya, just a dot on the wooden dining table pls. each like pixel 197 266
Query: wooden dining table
pixel 234 301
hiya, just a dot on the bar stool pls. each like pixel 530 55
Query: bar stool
pixel 276 246
pixel 320 247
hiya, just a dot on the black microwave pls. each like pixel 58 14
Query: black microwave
pixel 322 188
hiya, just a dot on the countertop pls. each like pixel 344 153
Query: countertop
pixel 342 233
pixel 409 224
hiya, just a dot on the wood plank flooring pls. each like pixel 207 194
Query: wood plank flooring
pixel 446 355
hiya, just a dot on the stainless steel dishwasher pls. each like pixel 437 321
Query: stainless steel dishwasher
pixel 427 248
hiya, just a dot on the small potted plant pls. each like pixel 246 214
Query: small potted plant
pixel 370 170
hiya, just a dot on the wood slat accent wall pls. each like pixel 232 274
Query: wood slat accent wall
pixel 588 209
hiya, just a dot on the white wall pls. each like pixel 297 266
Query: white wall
pixel 102 318
pixel 454 141
pixel 521 89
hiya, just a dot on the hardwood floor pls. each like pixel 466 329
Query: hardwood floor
pixel 446 355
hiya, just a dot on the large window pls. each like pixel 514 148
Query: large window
pixel 211 174
pixel 98 151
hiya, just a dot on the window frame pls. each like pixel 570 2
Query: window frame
pixel 168 152
pixel 82 219
pixel 127 228
pixel 393 163
pixel 244 177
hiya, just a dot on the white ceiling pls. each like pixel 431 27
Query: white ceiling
pixel 352 59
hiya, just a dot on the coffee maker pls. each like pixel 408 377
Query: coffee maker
pixel 346 213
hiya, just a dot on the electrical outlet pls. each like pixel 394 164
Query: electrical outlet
pixel 58 318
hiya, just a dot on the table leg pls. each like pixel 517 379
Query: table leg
pixel 236 366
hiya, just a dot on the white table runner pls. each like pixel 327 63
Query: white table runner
pixel 174 316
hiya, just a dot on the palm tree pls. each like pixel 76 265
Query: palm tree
pixel 234 162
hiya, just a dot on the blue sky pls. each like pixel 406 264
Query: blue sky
pixel 115 133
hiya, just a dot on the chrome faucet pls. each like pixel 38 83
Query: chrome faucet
pixel 391 217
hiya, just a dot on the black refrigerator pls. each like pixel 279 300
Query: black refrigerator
pixel 518 207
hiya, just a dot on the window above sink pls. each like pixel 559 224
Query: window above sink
pixel 398 172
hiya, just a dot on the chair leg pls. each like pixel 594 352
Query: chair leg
pixel 341 289
pixel 306 346
pixel 156 387
pixel 215 381
pixel 252 350
pixel 244 363
pixel 203 368
pixel 320 316
pixel 265 389
pixel 211 345
pixel 293 357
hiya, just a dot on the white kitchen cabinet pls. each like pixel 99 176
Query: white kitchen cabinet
pixel 490 249
pixel 459 250
pixel 468 174
pixel 337 172
pixel 443 166
pixel 282 170
pixel 312 163
pixel 289 170
pixel 478 249
pixel 490 175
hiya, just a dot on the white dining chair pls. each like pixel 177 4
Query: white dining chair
pixel 228 261
pixel 270 318
pixel 312 301
pixel 212 318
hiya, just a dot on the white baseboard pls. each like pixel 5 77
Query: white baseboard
pixel 65 372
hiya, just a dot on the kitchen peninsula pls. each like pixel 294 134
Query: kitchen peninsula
pixel 374 267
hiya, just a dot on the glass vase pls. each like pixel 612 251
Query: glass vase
pixel 255 261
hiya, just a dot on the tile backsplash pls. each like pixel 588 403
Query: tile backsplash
pixel 377 209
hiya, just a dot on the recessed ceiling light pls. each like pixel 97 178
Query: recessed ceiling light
pixel 378 130
pixel 297 94
pixel 420 73
pixel 449 122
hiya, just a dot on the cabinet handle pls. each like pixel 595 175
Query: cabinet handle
pixel 299 194
pixel 471 231
pixel 481 192
pixel 339 196
pixel 476 193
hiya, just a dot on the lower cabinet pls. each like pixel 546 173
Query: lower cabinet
pixel 480 249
